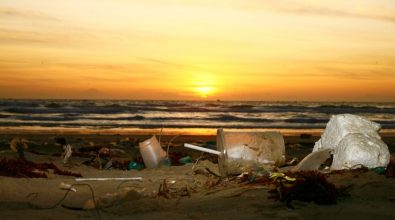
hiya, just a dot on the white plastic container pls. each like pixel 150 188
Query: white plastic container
pixel 152 153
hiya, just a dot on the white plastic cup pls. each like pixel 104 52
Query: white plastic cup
pixel 244 151
pixel 153 154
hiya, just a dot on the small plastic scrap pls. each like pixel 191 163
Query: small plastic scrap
pixel 67 187
pixel 185 160
pixel 313 161
pixel 379 170
pixel 135 166
pixel 281 176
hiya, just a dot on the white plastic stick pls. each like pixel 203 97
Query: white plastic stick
pixel 106 179
pixel 202 149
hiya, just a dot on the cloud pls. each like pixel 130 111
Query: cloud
pixel 323 10
pixel 15 13
pixel 368 73
pixel 18 36
pixel 62 36
pixel 375 9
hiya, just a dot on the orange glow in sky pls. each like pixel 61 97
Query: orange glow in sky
pixel 208 49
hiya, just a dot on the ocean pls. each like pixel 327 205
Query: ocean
pixel 108 114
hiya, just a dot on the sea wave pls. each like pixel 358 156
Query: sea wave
pixel 184 114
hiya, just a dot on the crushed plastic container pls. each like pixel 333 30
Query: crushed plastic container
pixel 339 126
pixel 360 149
pixel 353 141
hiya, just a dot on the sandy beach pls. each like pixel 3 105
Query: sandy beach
pixel 176 192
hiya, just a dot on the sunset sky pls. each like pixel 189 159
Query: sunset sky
pixel 196 50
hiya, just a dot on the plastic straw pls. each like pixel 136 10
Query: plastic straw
pixel 106 179
pixel 202 149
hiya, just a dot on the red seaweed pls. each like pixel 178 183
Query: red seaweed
pixel 23 168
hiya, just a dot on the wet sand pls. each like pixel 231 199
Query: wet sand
pixel 188 194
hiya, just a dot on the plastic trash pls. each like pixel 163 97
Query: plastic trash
pixel 110 199
pixel 135 166
pixel 153 154
pixel 244 151
pixel 342 125
pixel 360 149
pixel 353 140
pixel 67 149
pixel 19 145
pixel 66 186
pixel 185 160
pixel 67 153
pixel 379 170
pixel 109 179
pixel 313 161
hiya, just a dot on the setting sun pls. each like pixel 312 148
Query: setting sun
pixel 205 91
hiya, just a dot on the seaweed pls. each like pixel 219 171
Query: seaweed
pixel 23 168
pixel 175 158
pixel 310 186
pixel 120 165
pixel 390 171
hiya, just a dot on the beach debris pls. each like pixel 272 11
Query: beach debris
pixel 185 160
pixel 112 199
pixel 390 171
pixel 110 152
pixel 67 149
pixel 379 170
pixel 249 151
pixel 313 161
pixel 108 165
pixel 244 151
pixel 203 149
pixel 278 176
pixel 153 154
pixel 355 149
pixel 353 140
pixel 307 186
pixel 133 165
pixel 292 162
pixel 109 179
pixel 177 159
pixel 341 125
pixel 102 157
pixel 167 190
pixel 19 145
pixel 105 151
pixel 281 177
pixel 24 168
pixel 66 186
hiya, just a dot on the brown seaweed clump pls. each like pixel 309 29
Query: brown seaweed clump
pixel 390 171
pixel 309 186
pixel 23 168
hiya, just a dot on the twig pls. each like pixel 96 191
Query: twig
pixel 168 144
pixel 211 172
